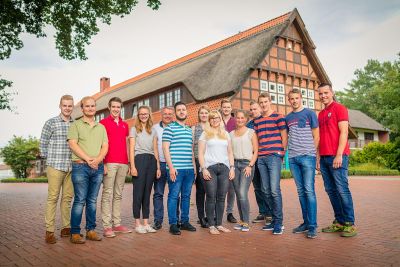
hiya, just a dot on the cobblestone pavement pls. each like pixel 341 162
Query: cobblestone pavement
pixel 377 244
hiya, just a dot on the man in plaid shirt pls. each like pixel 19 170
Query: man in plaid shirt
pixel 54 148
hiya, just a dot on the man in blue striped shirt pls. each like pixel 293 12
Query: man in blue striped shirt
pixel 302 124
pixel 178 152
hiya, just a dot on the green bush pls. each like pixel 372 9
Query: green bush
pixel 25 180
pixel 286 174
pixel 371 169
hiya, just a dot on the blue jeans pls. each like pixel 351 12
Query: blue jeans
pixel 337 186
pixel 183 187
pixel 87 182
pixel 241 183
pixel 303 171
pixel 270 173
pixel 262 203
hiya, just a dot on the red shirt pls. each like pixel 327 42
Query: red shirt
pixel 329 119
pixel 117 134
pixel 230 125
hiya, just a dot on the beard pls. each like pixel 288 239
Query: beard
pixel 181 118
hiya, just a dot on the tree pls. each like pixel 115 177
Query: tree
pixel 75 22
pixel 376 92
pixel 20 154
pixel 5 97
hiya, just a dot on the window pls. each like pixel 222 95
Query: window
pixel 310 93
pixel 369 136
pixel 303 92
pixel 305 103
pixel 101 116
pixel 272 87
pixel 134 110
pixel 123 112
pixel 273 98
pixel 161 101
pixel 97 118
pixel 145 102
pixel 311 103
pixel 281 88
pixel 169 99
pixel 263 85
pixel 177 95
pixel 281 99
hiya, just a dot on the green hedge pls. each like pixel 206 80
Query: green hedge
pixel 25 180
pixel 383 172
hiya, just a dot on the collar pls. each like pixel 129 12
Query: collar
pixel 61 118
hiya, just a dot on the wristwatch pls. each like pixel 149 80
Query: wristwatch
pixel 251 166
pixel 232 167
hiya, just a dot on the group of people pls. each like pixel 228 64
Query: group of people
pixel 222 155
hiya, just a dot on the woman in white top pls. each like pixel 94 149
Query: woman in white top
pixel 217 165
pixel 245 149
pixel 144 165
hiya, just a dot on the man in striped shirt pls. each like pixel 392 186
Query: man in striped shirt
pixel 302 124
pixel 272 138
pixel 178 152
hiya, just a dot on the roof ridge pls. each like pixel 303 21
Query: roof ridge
pixel 210 48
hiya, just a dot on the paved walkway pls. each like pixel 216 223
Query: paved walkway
pixel 378 243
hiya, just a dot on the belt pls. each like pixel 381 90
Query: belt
pixel 79 161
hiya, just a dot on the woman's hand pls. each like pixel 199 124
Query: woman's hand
pixel 231 173
pixel 133 171
pixel 247 171
pixel 206 174
pixel 158 175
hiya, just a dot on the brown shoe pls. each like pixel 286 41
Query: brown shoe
pixel 92 235
pixel 66 232
pixel 77 239
pixel 50 238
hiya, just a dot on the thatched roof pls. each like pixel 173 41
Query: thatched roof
pixel 357 119
pixel 219 69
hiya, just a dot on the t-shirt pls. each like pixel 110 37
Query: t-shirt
pixel 143 141
pixel 181 145
pixel 230 125
pixel 300 125
pixel 250 124
pixel 90 138
pixel 216 150
pixel 117 134
pixel 242 146
pixel 159 129
pixel 329 132
pixel 269 135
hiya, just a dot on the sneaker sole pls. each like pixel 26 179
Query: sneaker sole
pixel 109 236
pixel 245 230
pixel 277 233
pixel 294 232
pixel 283 228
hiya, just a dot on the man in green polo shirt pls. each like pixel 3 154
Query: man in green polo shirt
pixel 89 144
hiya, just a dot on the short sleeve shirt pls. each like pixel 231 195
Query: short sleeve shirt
pixel 216 150
pixel 143 141
pixel 117 134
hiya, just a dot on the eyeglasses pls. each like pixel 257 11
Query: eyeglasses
pixel 143 114
pixel 215 118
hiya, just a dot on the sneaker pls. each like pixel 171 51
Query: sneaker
pixel 188 227
pixel 50 238
pixel 174 229
pixel 214 230
pixel 333 228
pixel 312 233
pixel 92 235
pixel 223 229
pixel 230 218
pixel 121 229
pixel 259 218
pixel 245 227
pixel 300 229
pixel 65 232
pixel 349 230
pixel 238 226
pixel 268 227
pixel 278 229
pixel 77 239
pixel 149 229
pixel 268 219
pixel 157 226
pixel 140 229
pixel 108 232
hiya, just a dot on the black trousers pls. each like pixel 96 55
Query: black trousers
pixel 200 192
pixel 146 166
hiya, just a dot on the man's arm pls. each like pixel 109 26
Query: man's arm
pixel 168 160
pixel 284 137
pixel 45 139
pixel 344 131
pixel 73 145
pixel 315 134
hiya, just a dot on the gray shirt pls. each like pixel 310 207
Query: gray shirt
pixel 143 141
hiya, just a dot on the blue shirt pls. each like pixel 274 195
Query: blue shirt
pixel 181 145
pixel 300 125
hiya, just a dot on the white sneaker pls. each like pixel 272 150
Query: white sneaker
pixel 223 229
pixel 149 229
pixel 140 229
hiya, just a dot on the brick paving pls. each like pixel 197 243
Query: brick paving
pixel 378 243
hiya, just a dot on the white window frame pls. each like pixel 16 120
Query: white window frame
pixel 280 88
pixel 272 87
pixel 310 93
pixel 311 103
pixel 169 99
pixel 264 85
pixel 274 98
pixel 134 109
pixel 305 102
pixel 161 101
pixel 281 99
pixel 122 112
pixel 177 95
pixel 304 92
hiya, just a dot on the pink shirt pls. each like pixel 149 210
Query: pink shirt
pixel 117 134
pixel 230 125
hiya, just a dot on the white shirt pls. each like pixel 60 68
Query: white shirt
pixel 216 150
pixel 242 146
pixel 159 131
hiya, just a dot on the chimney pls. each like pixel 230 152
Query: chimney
pixel 104 83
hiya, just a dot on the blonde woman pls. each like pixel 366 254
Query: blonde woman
pixel 245 149
pixel 217 166
pixel 200 186
pixel 144 165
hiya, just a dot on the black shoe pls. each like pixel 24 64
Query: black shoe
pixel 230 218
pixel 157 226
pixel 174 229
pixel 179 224
pixel 204 223
pixel 188 227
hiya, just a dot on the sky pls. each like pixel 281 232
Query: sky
pixel 346 34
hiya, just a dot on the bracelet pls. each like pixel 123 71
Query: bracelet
pixel 251 166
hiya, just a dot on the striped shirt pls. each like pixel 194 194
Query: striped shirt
pixel 269 135
pixel 300 125
pixel 53 144
pixel 181 145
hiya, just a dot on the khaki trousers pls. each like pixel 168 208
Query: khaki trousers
pixel 113 185
pixel 57 180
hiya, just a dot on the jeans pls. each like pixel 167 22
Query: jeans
pixel 261 200
pixel 200 192
pixel 270 172
pixel 182 186
pixel 337 186
pixel 241 183
pixel 87 182
pixel 216 190
pixel 303 171
pixel 230 198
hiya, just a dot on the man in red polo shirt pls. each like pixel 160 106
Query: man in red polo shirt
pixel 115 169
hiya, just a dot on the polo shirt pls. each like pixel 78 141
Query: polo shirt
pixel 90 139
pixel 181 145
pixel 269 135
pixel 300 125
pixel 230 125
pixel 116 134
pixel 329 132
